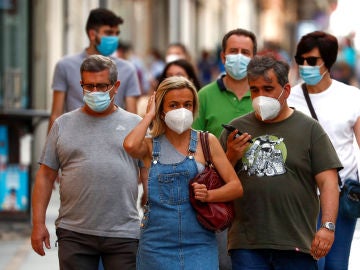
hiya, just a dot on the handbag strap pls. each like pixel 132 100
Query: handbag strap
pixel 308 101
pixel 204 139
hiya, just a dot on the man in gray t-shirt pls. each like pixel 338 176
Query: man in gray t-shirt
pixel 98 216
pixel 102 28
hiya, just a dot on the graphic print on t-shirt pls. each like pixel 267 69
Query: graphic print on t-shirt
pixel 265 157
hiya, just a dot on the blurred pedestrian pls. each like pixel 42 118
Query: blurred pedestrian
pixel 102 29
pixel 289 157
pixel 206 67
pixel 98 216
pixel 337 109
pixel 156 65
pixel 125 51
pixel 171 236
pixel 274 49
pixel 181 67
pixel 175 51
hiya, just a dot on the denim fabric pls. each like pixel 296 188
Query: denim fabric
pixel 271 259
pixel 338 257
pixel 171 237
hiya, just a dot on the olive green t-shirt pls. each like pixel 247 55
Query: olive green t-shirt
pixel 219 106
pixel 280 204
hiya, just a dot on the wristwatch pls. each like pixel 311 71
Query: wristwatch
pixel 328 225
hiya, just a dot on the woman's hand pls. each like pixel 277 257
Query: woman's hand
pixel 200 191
pixel 150 109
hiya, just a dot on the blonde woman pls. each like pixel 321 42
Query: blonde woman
pixel 171 237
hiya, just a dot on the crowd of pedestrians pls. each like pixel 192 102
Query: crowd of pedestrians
pixel 119 121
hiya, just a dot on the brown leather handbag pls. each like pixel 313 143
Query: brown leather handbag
pixel 214 216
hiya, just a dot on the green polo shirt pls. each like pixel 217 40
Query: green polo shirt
pixel 219 106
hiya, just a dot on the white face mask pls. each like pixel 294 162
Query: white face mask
pixel 267 107
pixel 172 57
pixel 179 120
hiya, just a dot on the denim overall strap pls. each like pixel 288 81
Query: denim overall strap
pixel 192 145
pixel 156 150
pixel 193 141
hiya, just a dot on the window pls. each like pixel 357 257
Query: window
pixel 14 50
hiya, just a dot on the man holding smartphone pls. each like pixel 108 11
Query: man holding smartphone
pixel 290 158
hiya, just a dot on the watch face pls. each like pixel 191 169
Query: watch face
pixel 329 225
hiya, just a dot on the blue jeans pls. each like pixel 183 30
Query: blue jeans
pixel 101 267
pixel 271 259
pixel 338 257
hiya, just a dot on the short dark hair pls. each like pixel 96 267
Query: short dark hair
pixel 101 16
pixel 240 32
pixel 260 65
pixel 189 69
pixel 325 42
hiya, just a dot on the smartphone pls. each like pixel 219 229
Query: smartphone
pixel 231 128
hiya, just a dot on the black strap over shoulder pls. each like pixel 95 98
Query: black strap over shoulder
pixel 308 101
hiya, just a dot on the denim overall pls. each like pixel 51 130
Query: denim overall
pixel 171 237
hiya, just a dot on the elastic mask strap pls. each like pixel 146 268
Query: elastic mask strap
pixel 281 93
pixel 322 76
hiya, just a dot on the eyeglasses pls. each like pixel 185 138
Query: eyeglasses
pixel 311 60
pixel 100 87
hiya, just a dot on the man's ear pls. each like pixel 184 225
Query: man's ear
pixel 287 90
pixel 116 86
pixel 222 57
pixel 92 34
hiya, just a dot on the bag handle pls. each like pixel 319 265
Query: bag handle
pixel 204 139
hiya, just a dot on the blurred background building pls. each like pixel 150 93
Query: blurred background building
pixel 35 34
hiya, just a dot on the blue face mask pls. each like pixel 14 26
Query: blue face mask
pixel 108 45
pixel 235 65
pixel 311 74
pixel 97 101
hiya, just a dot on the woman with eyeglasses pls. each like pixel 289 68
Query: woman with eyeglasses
pixel 336 106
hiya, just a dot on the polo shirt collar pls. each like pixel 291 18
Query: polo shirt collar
pixel 220 83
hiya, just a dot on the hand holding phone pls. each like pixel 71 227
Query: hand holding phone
pixel 231 128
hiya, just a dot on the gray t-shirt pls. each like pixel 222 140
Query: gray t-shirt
pixel 169 154
pixel 67 79
pixel 99 180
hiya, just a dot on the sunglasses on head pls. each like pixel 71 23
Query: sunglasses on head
pixel 311 60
